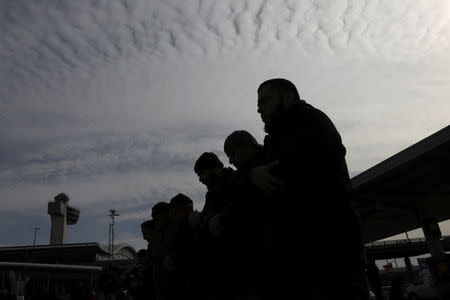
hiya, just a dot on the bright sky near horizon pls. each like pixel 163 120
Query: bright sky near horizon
pixel 111 102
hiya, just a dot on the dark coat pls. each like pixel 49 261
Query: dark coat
pixel 313 167
pixel 253 233
pixel 182 247
pixel 217 263
pixel 310 152
pixel 251 210
pixel 314 226
pixel 219 199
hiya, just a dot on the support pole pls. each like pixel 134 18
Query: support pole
pixel 35 231
pixel 112 214
pixel 433 236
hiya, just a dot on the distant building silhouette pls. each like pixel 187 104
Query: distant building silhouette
pixel 62 215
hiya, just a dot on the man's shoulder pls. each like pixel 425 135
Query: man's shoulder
pixel 307 116
pixel 228 171
pixel 306 112
pixel 228 177
pixel 209 194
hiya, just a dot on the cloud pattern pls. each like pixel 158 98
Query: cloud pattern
pixel 73 72
pixel 48 41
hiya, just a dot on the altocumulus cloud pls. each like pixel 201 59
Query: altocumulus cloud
pixel 45 42
pixel 112 101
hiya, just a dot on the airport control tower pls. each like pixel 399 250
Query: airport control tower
pixel 62 215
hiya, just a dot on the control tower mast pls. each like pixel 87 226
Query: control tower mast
pixel 62 215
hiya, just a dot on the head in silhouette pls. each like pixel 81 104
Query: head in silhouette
pixel 208 168
pixel 160 214
pixel 275 97
pixel 142 256
pixel 240 147
pixel 149 232
pixel 180 207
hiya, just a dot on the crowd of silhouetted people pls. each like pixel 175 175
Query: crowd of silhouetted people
pixel 278 225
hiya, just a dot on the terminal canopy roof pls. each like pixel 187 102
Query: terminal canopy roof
pixel 71 254
pixel 396 194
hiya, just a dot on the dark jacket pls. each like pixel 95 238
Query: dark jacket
pixel 310 152
pixel 219 200
pixel 313 167
pixel 313 223
pixel 217 262
pixel 251 209
pixel 182 247
pixel 253 232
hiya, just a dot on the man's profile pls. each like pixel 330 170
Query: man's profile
pixel 306 172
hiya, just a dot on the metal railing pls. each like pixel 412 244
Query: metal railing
pixel 37 247
pixel 400 241
pixel 28 266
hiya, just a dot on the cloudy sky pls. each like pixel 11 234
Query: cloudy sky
pixel 112 101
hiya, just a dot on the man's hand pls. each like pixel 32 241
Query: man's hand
pixel 195 220
pixel 263 180
pixel 215 226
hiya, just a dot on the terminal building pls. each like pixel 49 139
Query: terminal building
pixel 89 254
pixel 408 191
pixel 59 252
pixel 60 263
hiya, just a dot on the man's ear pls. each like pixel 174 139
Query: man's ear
pixel 288 99
pixel 217 171
pixel 291 97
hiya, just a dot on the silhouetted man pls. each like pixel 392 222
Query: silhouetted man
pixel 179 231
pixel 140 280
pixel 156 254
pixel 242 149
pixel 244 152
pixel 217 245
pixel 180 243
pixel 150 234
pixel 317 233
pixel 160 214
pixel 252 218
pixel 219 182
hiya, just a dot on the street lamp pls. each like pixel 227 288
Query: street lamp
pixel 35 231
pixel 112 214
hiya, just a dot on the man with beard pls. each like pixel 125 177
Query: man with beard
pixel 317 234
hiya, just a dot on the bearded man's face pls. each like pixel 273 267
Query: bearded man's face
pixel 269 106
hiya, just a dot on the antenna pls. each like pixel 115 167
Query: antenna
pixel 112 213
pixel 35 231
